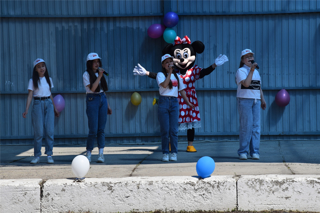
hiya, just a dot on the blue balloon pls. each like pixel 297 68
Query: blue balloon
pixel 205 166
pixel 170 19
pixel 169 35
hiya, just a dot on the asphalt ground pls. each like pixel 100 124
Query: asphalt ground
pixel 300 157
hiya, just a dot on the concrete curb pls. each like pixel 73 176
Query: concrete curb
pixel 140 194
pixel 21 195
pixel 220 193
pixel 279 192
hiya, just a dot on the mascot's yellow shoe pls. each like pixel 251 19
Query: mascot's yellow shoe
pixel 191 149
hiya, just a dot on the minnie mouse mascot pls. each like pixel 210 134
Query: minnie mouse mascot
pixel 184 55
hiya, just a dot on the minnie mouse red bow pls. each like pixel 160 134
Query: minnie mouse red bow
pixel 185 40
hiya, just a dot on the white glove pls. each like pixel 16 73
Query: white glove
pixel 139 70
pixel 221 60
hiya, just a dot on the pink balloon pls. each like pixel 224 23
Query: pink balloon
pixel 59 102
pixel 282 98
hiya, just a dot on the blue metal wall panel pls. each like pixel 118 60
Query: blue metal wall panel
pixel 100 8
pixel 65 43
pixel 227 7
pixel 79 8
pixel 277 40
pixel 278 50
pixel 286 47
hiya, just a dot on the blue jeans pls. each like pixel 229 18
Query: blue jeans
pixel 97 110
pixel 43 122
pixel 168 115
pixel 249 129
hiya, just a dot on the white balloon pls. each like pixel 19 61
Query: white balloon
pixel 80 166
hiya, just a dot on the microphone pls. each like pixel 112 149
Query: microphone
pixel 104 72
pixel 252 62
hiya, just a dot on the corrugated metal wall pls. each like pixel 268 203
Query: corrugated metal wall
pixel 80 8
pixel 227 7
pixel 283 34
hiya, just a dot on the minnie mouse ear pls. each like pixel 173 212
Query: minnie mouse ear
pixel 198 46
pixel 167 49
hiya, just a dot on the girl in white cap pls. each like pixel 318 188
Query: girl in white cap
pixel 97 105
pixel 249 100
pixel 43 109
pixel 168 110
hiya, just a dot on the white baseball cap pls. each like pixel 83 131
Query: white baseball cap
pixel 246 51
pixel 164 57
pixel 92 56
pixel 37 61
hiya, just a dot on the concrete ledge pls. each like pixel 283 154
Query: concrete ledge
pixel 140 194
pixel 220 193
pixel 20 195
pixel 279 192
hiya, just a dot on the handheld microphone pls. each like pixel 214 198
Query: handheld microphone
pixel 252 62
pixel 104 72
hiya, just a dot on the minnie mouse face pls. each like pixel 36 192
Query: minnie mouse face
pixel 183 57
pixel 184 53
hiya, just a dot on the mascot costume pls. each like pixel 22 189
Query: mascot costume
pixel 184 56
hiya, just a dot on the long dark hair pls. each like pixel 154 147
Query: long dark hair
pixel 93 77
pixel 164 71
pixel 36 78
pixel 241 63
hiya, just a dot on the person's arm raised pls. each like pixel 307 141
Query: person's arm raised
pixel 140 70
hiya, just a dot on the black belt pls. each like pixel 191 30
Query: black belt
pixel 168 96
pixel 41 98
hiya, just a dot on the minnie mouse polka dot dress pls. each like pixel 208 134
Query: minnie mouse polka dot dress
pixel 189 118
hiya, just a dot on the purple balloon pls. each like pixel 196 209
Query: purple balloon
pixel 156 30
pixel 170 19
pixel 59 102
pixel 282 98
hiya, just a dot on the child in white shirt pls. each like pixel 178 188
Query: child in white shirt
pixel 168 106
pixel 43 109
pixel 249 99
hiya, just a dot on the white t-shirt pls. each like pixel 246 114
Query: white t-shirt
pixel 86 82
pixel 43 87
pixel 166 91
pixel 253 91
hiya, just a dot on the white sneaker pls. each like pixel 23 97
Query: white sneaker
pixel 35 160
pixel 255 157
pixel 173 156
pixel 89 157
pixel 165 157
pixel 243 156
pixel 100 158
pixel 50 160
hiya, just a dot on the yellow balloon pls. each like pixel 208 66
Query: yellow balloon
pixel 155 101
pixel 135 98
